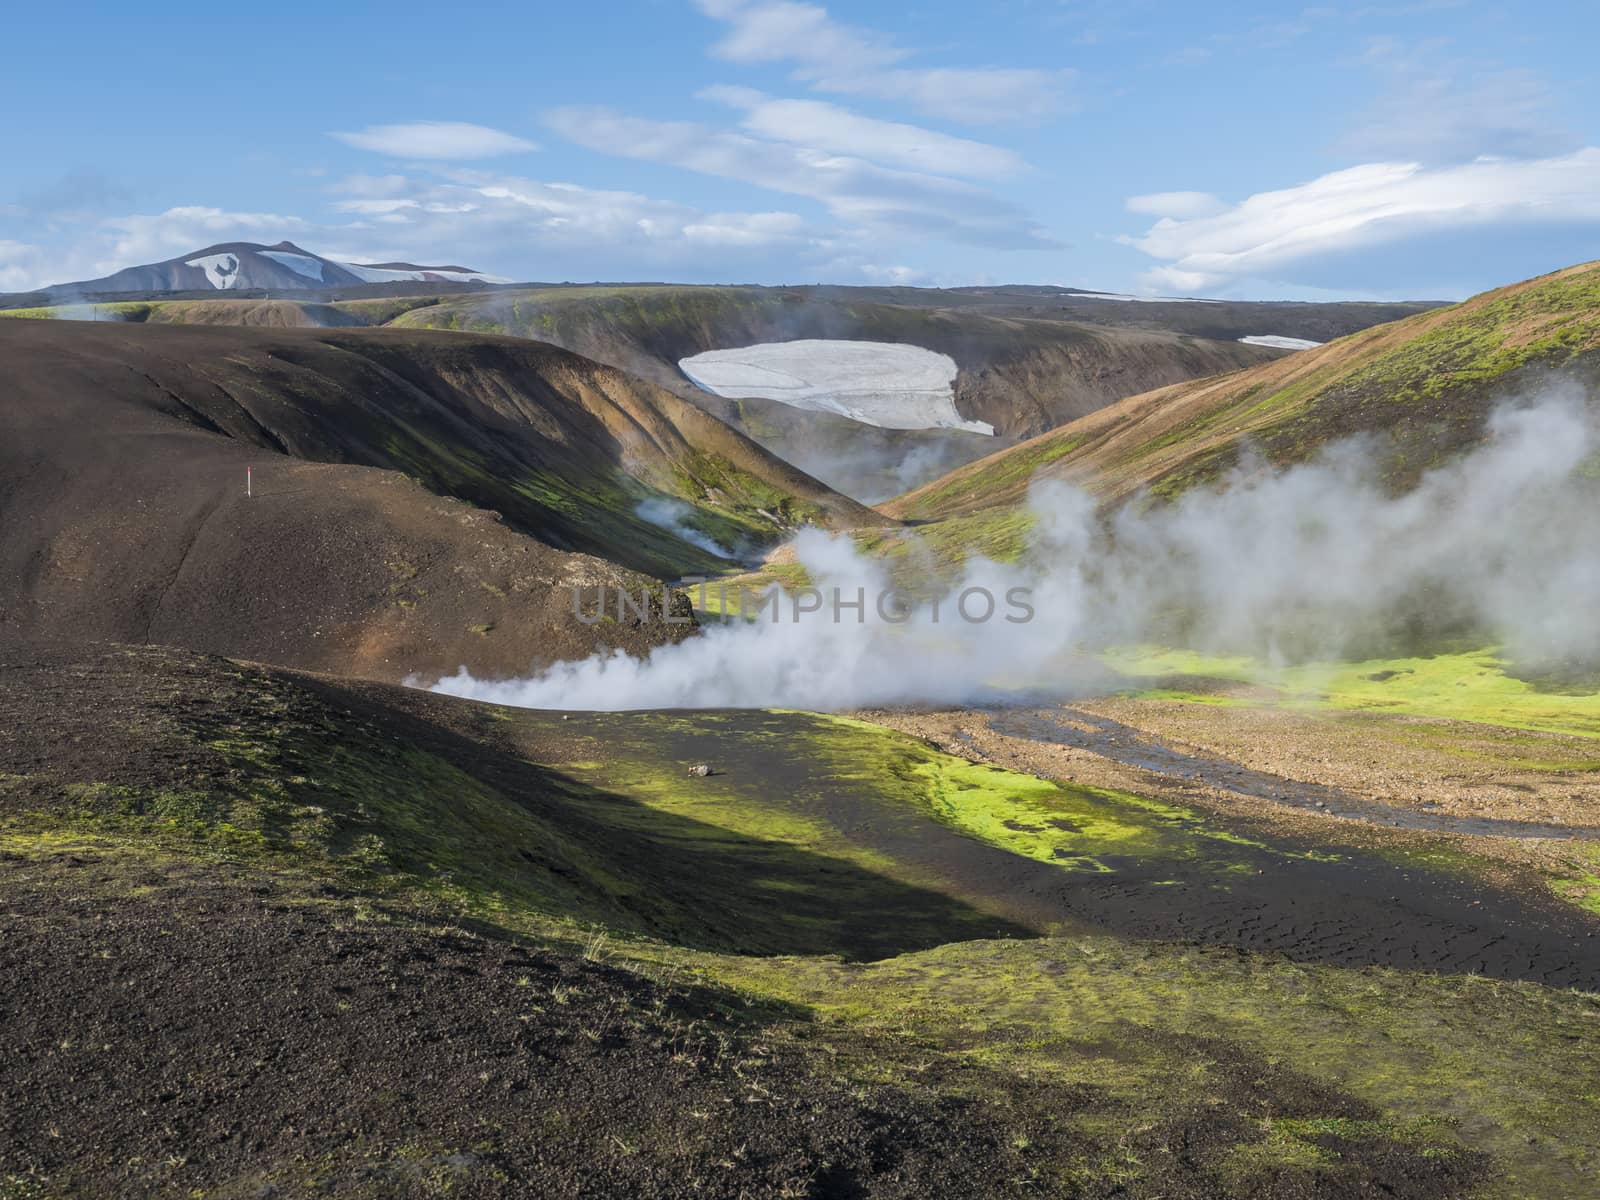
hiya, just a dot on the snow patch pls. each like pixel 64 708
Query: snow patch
pixel 384 275
pixel 1137 299
pixel 300 264
pixel 886 384
pixel 222 270
pixel 1278 342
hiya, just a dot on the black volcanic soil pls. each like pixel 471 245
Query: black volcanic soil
pixel 225 1032
pixel 422 501
pixel 1276 893
pixel 179 1023
pixel 174 1029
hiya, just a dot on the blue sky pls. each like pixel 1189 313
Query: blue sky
pixel 1385 148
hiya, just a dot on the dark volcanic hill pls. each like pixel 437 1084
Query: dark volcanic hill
pixel 421 500
pixel 1029 358
pixel 1022 374
pixel 238 266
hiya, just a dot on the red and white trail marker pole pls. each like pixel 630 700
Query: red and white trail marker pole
pixel 249 484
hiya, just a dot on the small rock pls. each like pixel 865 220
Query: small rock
pixel 699 770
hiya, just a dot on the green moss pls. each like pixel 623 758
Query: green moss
pixel 800 848
pixel 1579 882
pixel 1447 1062
pixel 975 488
pixel 126 310
pixel 1425 384
pixel 1471 686
pixel 1078 829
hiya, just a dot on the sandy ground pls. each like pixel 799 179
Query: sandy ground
pixel 1455 769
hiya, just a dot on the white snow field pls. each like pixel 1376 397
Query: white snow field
pixel 1138 299
pixel 885 384
pixel 1278 342
pixel 300 264
pixel 221 269
pixel 386 275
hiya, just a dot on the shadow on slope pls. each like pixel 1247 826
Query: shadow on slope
pixel 1020 373
pixel 209 756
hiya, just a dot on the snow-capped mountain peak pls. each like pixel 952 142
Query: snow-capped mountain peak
pixel 284 267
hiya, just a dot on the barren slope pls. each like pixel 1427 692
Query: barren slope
pixel 1030 358
pixel 506 472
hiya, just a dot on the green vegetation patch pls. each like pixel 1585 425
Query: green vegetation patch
pixel 835 871
pixel 125 310
pixel 1471 686
pixel 889 803
pixel 1001 480
pixel 1446 1062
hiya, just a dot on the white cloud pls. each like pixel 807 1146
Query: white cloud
pixel 21 266
pixel 1175 204
pixel 1289 235
pixel 829 127
pixel 896 276
pixel 973 96
pixel 544 230
pixel 849 60
pixel 157 237
pixel 860 192
pixel 780 30
pixel 436 140
pixel 513 226
pixel 1452 110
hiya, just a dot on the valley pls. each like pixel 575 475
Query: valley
pixel 1028 359
pixel 343 851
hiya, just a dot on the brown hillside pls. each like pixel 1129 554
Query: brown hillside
pixel 122 459
pixel 1423 385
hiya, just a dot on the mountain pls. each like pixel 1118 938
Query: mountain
pixel 1020 374
pixel 1026 359
pixel 422 500
pixel 284 267
pixel 1422 386
pixel 269 931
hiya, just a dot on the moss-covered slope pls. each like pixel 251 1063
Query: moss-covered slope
pixel 809 908
pixel 1423 385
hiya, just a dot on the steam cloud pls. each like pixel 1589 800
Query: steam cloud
pixel 1312 563
pixel 875 472
pixel 673 516
pixel 87 312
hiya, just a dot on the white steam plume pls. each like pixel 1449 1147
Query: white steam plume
pixel 673 516
pixel 1310 563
